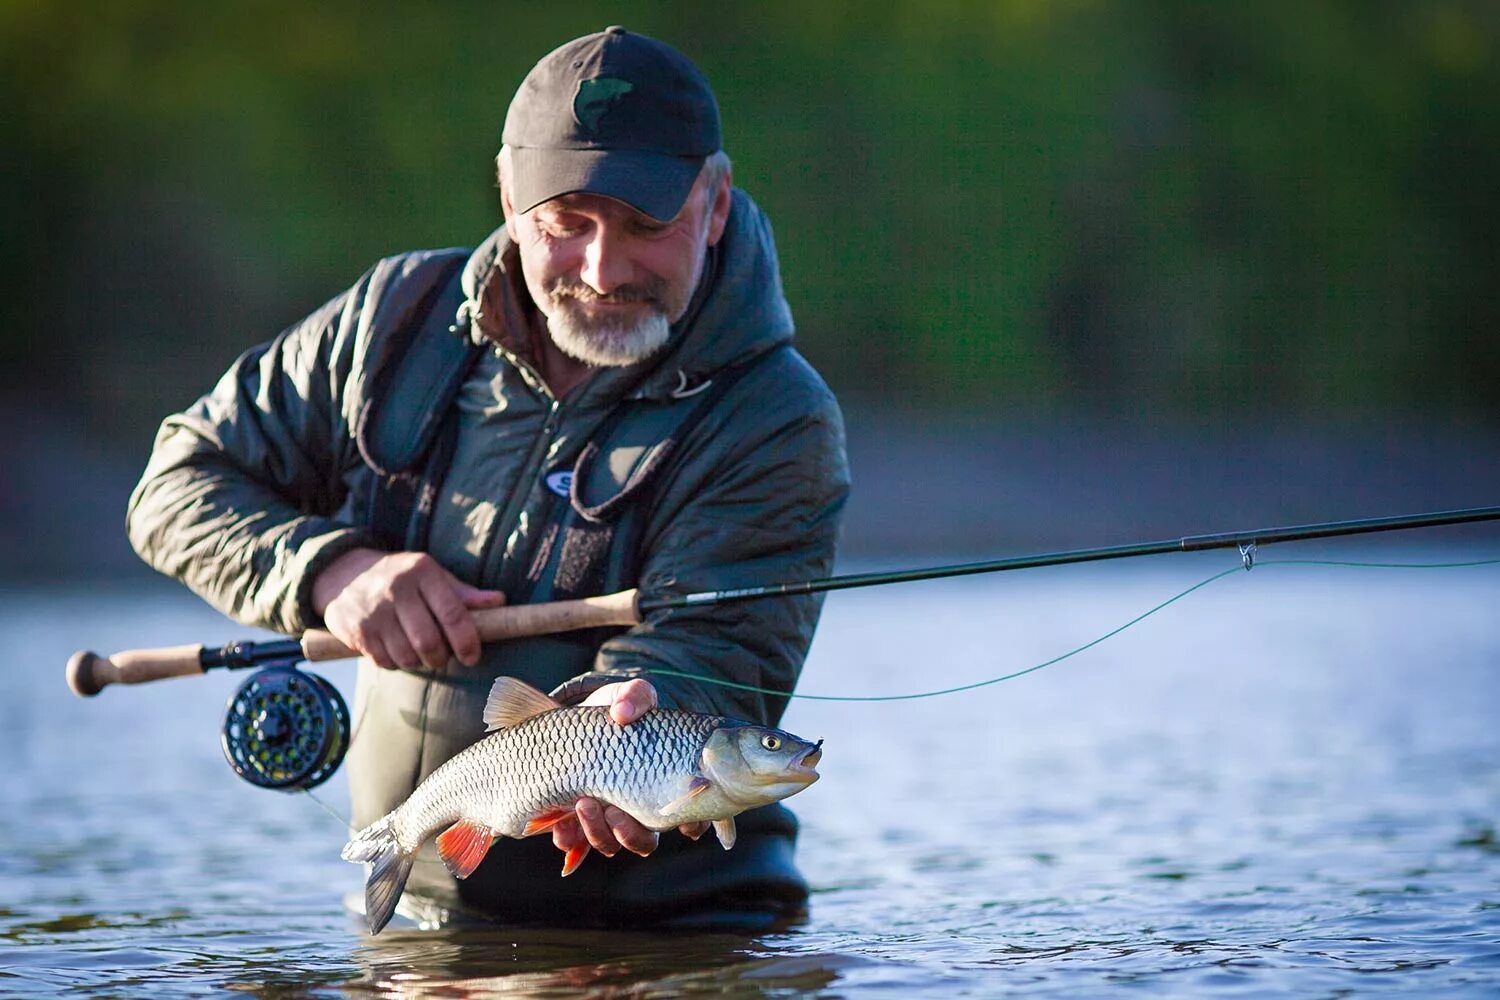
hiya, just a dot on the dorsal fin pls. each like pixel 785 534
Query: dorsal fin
pixel 512 702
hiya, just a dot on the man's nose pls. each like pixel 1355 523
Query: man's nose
pixel 606 263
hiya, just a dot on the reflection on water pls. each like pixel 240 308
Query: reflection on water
pixel 566 963
pixel 1288 783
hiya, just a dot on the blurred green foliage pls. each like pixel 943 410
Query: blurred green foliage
pixel 1189 211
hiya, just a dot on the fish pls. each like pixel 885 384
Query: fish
pixel 667 768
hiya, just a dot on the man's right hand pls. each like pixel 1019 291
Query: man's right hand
pixel 401 609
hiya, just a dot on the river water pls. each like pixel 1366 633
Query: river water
pixel 1286 783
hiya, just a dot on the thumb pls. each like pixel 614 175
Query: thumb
pixel 632 700
pixel 475 597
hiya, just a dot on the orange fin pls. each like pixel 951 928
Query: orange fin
pixel 463 845
pixel 575 857
pixel 542 822
pixel 512 702
pixel 697 786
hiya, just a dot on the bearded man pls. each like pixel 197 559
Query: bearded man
pixel 602 395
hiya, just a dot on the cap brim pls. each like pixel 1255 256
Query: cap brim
pixel 654 183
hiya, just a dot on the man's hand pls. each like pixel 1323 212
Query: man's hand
pixel 607 828
pixel 401 609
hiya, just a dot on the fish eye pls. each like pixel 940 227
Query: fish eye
pixel 771 742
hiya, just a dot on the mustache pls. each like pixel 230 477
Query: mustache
pixel 650 292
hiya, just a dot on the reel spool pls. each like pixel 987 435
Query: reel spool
pixel 286 729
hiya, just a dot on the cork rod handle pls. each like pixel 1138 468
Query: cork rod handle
pixel 512 622
pixel 89 673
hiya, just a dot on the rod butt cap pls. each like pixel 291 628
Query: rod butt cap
pixel 80 673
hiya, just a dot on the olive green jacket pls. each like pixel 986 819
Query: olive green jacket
pixel 258 486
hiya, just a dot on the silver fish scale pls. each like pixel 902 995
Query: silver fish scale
pixel 551 760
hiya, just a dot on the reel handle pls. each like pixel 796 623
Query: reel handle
pixel 88 673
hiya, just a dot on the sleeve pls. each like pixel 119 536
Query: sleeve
pixel 760 504
pixel 236 499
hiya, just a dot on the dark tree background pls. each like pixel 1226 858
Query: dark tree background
pixel 1204 209
pixel 1193 215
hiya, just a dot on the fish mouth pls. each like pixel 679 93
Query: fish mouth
pixel 807 764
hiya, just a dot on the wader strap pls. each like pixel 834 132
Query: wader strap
pixel 408 430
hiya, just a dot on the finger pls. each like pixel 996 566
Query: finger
pixel 398 652
pixel 632 836
pixel 359 634
pixel 376 652
pixel 344 632
pixel 420 633
pixel 374 633
pixel 693 831
pixel 632 700
pixel 596 829
pixel 567 834
pixel 474 597
pixel 384 641
pixel 453 618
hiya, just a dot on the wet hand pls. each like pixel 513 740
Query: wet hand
pixel 401 609
pixel 603 827
pixel 608 830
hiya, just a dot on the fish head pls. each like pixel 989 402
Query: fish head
pixel 757 765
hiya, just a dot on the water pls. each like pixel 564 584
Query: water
pixel 1288 783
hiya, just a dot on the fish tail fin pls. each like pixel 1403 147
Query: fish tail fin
pixel 377 846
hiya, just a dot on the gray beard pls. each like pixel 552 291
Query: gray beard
pixel 608 345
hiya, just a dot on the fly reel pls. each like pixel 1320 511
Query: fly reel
pixel 286 729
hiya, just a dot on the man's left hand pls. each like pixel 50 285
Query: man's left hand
pixel 604 827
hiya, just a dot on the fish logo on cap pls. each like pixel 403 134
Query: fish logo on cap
pixel 596 98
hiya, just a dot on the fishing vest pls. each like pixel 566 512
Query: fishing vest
pixel 590 540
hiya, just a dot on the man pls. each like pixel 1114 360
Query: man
pixel 601 396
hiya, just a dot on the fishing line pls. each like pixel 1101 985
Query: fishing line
pixel 720 682
pixel 326 807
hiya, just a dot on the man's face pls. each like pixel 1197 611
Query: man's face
pixel 609 279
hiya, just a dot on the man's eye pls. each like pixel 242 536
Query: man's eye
pixel 561 227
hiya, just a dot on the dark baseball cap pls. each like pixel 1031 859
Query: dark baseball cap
pixel 612 113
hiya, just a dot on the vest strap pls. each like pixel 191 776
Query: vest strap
pixel 407 427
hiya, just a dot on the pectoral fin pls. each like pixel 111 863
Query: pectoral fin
pixel 724 828
pixel 463 845
pixel 696 787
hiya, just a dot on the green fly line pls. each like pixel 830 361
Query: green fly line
pixel 665 672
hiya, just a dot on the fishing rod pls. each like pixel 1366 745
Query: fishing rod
pixel 88 673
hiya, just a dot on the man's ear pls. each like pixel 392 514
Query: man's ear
pixel 502 166
pixel 718 216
